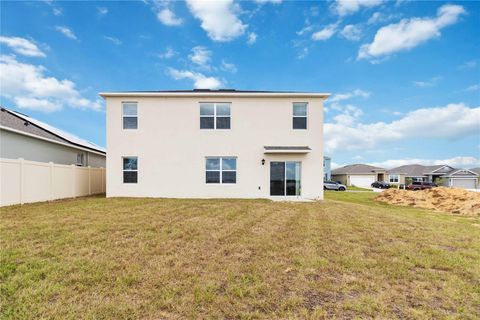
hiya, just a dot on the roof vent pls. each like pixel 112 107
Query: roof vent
pixel 202 90
pixel 26 123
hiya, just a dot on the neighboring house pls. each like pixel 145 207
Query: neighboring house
pixel 359 175
pixel 215 144
pixel 440 174
pixel 24 137
pixel 327 171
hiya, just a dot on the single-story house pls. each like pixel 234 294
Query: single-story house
pixel 440 174
pixel 359 175
pixel 24 137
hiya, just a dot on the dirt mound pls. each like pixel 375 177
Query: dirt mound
pixel 456 201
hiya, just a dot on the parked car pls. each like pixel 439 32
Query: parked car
pixel 333 185
pixel 421 186
pixel 380 185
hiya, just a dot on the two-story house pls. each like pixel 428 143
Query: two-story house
pixel 215 144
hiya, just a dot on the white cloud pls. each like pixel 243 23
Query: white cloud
pixel 351 32
pixel 168 17
pixel 348 95
pixel 22 46
pixel 268 1
pixel 346 7
pixel 200 56
pixel 302 53
pixel 252 38
pixel 230 67
pixel 168 53
pixel 66 32
pixel 409 33
pixel 379 17
pixel 114 40
pixel 449 122
pixel 469 64
pixel 326 33
pixel 308 28
pixel 425 84
pixel 102 11
pixel 456 162
pixel 28 87
pixel 218 18
pixel 199 80
pixel 474 87
pixel 57 11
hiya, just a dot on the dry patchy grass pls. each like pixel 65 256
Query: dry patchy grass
pixel 346 257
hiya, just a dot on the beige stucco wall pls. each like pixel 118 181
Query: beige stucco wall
pixel 171 147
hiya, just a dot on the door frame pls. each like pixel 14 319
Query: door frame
pixel 285 178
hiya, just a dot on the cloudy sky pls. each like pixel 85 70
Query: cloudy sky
pixel 404 75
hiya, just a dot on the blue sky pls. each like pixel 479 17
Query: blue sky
pixel 404 75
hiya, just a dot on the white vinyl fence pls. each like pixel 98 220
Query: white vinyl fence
pixel 25 181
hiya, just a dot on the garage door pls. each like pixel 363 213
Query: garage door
pixel 464 183
pixel 362 181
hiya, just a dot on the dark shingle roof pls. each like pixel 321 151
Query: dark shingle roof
pixel 358 169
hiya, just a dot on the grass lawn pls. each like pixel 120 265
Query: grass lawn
pixel 357 188
pixel 345 257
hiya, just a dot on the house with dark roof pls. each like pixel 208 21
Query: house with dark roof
pixel 24 137
pixel 358 175
pixel 440 174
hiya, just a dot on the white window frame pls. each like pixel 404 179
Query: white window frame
pixel 129 170
pixel 81 163
pixel 129 116
pixel 390 176
pixel 221 170
pixel 215 116
pixel 305 116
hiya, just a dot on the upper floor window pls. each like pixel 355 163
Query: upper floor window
pixel 300 115
pixel 130 115
pixel 221 170
pixel 130 169
pixel 215 115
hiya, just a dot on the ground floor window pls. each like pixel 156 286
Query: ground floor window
pixel 130 169
pixel 394 178
pixel 222 170
pixel 285 178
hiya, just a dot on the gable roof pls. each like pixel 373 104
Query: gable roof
pixel 19 122
pixel 460 173
pixel 418 170
pixel 476 170
pixel 357 169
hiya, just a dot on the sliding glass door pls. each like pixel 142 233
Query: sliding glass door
pixel 285 178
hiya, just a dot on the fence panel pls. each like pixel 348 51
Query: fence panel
pixel 30 181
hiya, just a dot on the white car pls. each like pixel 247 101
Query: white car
pixel 333 185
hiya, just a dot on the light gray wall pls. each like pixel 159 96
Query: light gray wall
pixel 14 146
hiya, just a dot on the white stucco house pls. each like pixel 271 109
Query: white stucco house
pixel 215 144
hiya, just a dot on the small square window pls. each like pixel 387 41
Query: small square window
pixel 214 115
pixel 221 170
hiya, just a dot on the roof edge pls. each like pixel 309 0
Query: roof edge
pixel 212 93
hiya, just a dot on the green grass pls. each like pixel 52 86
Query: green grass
pixel 357 188
pixel 345 257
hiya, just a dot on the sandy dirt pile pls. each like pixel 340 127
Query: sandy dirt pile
pixel 456 201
